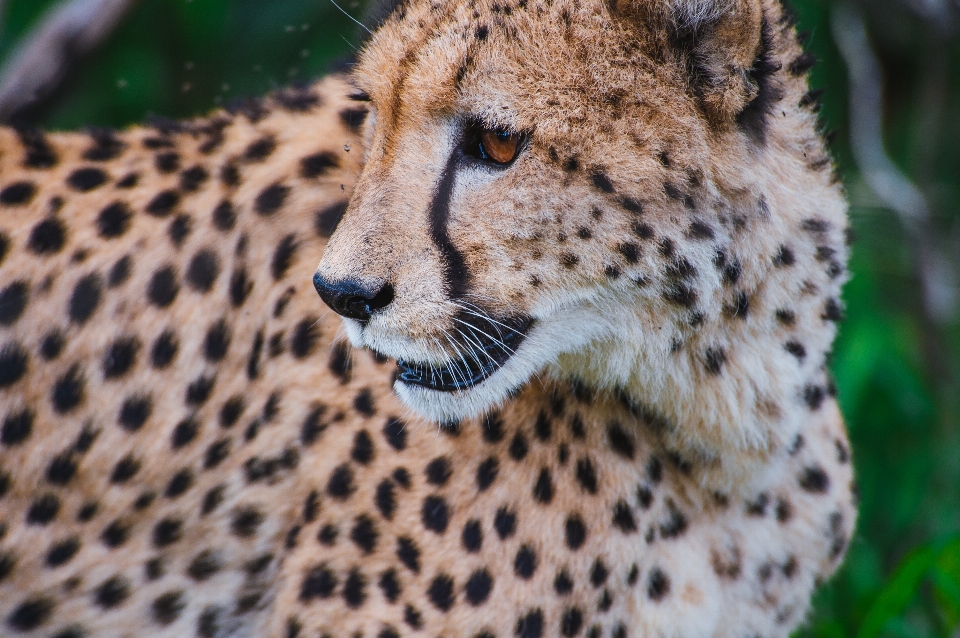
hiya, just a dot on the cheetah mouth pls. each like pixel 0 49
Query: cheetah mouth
pixel 481 345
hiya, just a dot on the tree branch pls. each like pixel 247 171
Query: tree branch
pixel 898 193
pixel 42 59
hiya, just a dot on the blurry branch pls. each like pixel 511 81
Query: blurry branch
pixel 44 57
pixel 897 192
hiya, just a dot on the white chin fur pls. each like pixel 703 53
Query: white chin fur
pixel 546 341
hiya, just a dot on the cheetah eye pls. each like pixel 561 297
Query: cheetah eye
pixel 497 146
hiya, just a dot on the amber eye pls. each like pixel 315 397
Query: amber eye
pixel 499 146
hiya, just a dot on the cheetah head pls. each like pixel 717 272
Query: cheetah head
pixel 630 195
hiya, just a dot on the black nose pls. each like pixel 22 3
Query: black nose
pixel 352 299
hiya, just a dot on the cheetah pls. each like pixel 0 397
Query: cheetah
pixel 584 261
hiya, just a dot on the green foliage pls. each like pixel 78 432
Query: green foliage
pixel 897 370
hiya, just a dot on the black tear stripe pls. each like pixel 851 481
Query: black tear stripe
pixel 455 270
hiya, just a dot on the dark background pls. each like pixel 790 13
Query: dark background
pixel 897 360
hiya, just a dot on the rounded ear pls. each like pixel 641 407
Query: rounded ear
pixel 719 41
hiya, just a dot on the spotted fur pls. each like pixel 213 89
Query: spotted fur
pixel 189 446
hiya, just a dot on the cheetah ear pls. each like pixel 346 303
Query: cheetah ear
pixel 720 43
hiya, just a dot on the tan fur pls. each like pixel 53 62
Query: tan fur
pixel 674 500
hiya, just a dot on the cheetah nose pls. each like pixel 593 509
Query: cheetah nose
pixel 352 299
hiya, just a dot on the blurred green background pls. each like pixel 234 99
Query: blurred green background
pixel 897 361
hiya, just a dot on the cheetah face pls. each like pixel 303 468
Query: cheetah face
pixel 548 190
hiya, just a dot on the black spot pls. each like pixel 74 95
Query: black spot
pixel 386 499
pixel 115 534
pixel 319 582
pixel 340 484
pixel 52 345
pixel 120 357
pixel 167 607
pixel 408 553
pixel 17 427
pixel 525 563
pixel 112 592
pixel 363 403
pixel 86 297
pixel 814 479
pixel 179 483
pixel 203 270
pixel 163 203
pixel 114 220
pixel 13 301
pixel 487 473
pixel 184 432
pixel 658 584
pixel 224 217
pixel 440 592
pixel 47 237
pixel 240 287
pixel 390 586
pixel 434 514
pixel 193 178
pixel 204 565
pixel 13 363
pixel 364 534
pixel 31 614
pixel 438 471
pixel 164 349
pixel 253 361
pixel 245 521
pixel 587 475
pixel 505 522
pixel 530 625
pixel 832 311
pixel 167 162
pixel 543 488
pixel 68 391
pixel 198 390
pixel 63 551
pixel 575 532
pixel 163 287
pixel 179 229
pixel 518 447
pixel 260 149
pixel 796 349
pixel 283 256
pixel 129 181
pixel 167 532
pixel 318 164
pixel 623 517
pixel 327 219
pixel 714 358
pixel 38 153
pixel 676 523
pixel 602 182
pixel 402 477
pixel 271 199
pixel 119 272
pixel 630 252
pixel 571 622
pixel 86 179
pixel 786 317
pixel 621 442
pixel 305 337
pixel 18 194
pixel 217 341
pixel 87 512
pixel 813 396
pixel 784 257
pixel 478 587
pixel 354 589
pixel 297 99
pixel 802 64
pixel 353 117
pixel 340 361
pixel 125 469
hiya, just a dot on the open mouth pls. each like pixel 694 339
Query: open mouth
pixel 481 346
